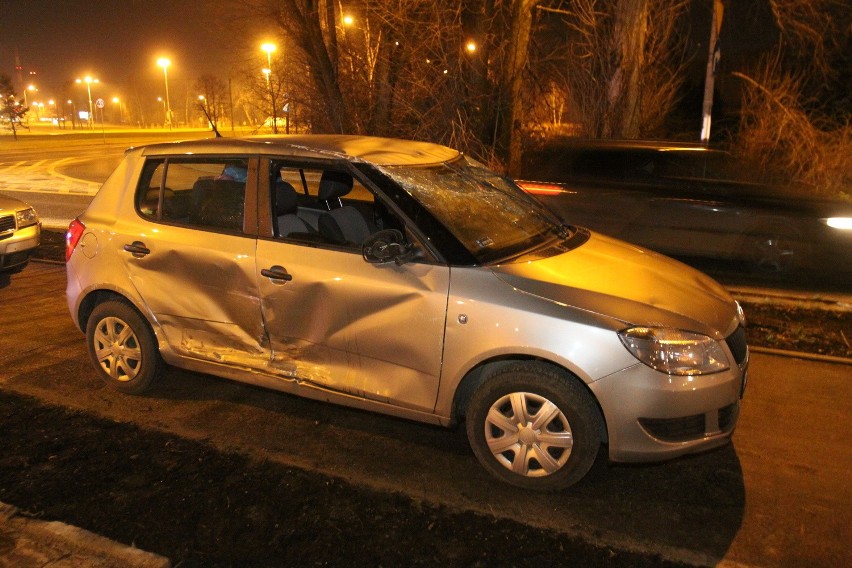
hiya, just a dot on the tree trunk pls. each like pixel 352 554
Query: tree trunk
pixel 311 25
pixel 625 84
pixel 516 60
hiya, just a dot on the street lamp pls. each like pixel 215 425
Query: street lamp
pixel 269 48
pixel 117 101
pixel 73 114
pixel 88 80
pixel 165 116
pixel 164 63
pixel 30 88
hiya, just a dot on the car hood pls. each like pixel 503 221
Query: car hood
pixel 627 283
pixel 10 204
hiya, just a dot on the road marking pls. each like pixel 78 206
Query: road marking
pixel 41 176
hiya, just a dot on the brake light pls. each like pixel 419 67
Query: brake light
pixel 538 188
pixel 72 237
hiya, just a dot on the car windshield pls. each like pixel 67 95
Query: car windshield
pixel 487 213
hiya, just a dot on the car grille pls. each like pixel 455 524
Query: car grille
pixel 737 344
pixel 692 427
pixel 7 225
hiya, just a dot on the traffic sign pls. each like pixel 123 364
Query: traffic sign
pixel 100 103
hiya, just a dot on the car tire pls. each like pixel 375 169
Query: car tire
pixel 122 347
pixel 534 426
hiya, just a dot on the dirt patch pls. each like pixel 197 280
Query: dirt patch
pixel 202 507
pixel 823 332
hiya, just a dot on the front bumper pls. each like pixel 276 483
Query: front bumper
pixel 17 248
pixel 652 416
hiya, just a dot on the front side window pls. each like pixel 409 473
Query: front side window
pixel 205 193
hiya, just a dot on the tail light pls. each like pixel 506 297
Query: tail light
pixel 72 237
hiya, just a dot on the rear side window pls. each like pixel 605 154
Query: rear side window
pixel 204 193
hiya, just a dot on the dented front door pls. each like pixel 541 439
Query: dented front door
pixel 335 321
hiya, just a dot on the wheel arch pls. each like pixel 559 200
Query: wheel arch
pixel 480 374
pixel 96 297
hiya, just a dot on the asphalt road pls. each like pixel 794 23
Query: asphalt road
pixel 779 495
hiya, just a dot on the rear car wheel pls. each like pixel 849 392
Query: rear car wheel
pixel 123 347
pixel 534 426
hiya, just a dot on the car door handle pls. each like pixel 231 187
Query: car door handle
pixel 137 249
pixel 277 273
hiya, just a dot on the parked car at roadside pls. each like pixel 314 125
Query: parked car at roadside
pixel 20 232
pixel 687 200
pixel 404 278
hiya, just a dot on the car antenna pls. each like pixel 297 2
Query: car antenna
pixel 212 124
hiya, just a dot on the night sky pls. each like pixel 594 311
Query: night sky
pixel 116 41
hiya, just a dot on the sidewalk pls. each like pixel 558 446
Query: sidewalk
pixel 31 543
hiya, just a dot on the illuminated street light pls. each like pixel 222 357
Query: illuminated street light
pixel 73 113
pixel 470 47
pixel 30 88
pixel 88 80
pixel 165 117
pixel 348 20
pixel 117 101
pixel 269 48
pixel 164 63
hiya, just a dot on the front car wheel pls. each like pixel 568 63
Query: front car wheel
pixel 534 426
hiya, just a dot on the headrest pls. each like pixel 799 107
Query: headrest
pixel 286 198
pixel 334 184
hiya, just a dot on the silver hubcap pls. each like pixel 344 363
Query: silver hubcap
pixel 528 434
pixel 117 349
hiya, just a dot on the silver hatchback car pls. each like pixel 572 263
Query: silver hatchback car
pixel 405 278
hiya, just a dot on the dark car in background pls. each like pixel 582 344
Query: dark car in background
pixel 689 201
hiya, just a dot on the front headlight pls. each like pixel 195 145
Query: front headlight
pixel 675 351
pixel 26 217
pixel 842 223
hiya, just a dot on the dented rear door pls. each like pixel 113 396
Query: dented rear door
pixel 190 255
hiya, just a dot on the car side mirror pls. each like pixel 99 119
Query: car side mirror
pixel 387 246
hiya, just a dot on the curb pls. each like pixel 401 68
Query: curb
pixel 30 543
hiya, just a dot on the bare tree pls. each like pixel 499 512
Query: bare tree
pixel 622 64
pixel 213 97
pixel 786 130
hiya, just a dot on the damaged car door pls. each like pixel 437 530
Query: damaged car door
pixel 192 258
pixel 338 322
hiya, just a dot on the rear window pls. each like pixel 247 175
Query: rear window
pixel 203 193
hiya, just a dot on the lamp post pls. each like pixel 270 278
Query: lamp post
pixel 269 48
pixel 73 114
pixel 164 63
pixel 30 88
pixel 165 117
pixel 88 80
pixel 117 101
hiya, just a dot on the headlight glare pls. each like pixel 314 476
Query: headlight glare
pixel 675 351
pixel 26 217
pixel 842 223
